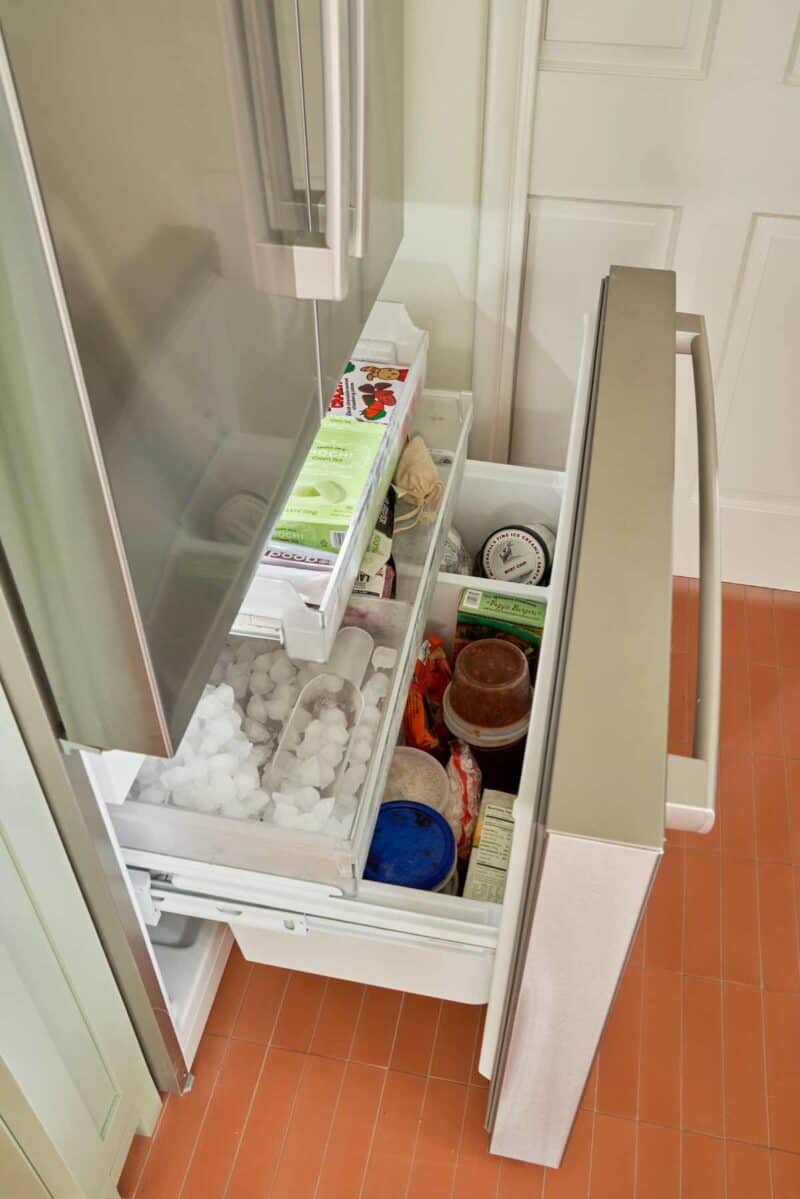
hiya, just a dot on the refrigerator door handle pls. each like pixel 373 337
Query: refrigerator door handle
pixel 692 782
pixel 358 233
pixel 302 269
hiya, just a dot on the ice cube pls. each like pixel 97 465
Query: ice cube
pixel 175 776
pixel 360 750
pixel 332 754
pixel 154 794
pixel 223 727
pixel 304 798
pixel 236 672
pixel 308 772
pixel 353 777
pixel 255 730
pixel 224 763
pixel 260 755
pixel 333 716
pixel 345 806
pixel 254 803
pixel 217 674
pixel 335 735
pixel 239 710
pixel 302 719
pixel 263 661
pixel 285 691
pixel 281 670
pixel 370 716
pixel 376 689
pixel 261 683
pixel 209 746
pixel 240 747
pixel 246 778
pixel 332 683
pixel 308 822
pixel 248 650
pixel 285 815
pixel 225 695
pixel 209 707
pixel 221 789
pixel 322 810
pixel 257 709
pixel 384 657
pixel 227 655
pixel 278 709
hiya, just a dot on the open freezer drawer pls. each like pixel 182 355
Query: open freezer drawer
pixel 444 421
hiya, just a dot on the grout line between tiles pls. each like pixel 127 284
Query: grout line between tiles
pixel 334 1114
pixel 202 1123
pixel 458 1143
pixel 375 1123
pixel 289 1118
pixel 383 1089
pixel 245 1121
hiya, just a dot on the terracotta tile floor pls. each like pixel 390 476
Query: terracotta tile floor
pixel 312 1087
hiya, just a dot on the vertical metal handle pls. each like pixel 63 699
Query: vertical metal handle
pixel 358 234
pixel 298 269
pixel 330 279
pixel 692 782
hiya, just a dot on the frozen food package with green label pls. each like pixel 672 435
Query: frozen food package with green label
pixel 328 489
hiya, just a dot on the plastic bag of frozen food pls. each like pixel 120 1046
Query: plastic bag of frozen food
pixel 464 777
pixel 423 719
pixel 456 558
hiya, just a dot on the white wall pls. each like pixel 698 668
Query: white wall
pixel 434 272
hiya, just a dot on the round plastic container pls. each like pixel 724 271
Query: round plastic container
pixel 417 776
pixel 413 846
pixel 488 705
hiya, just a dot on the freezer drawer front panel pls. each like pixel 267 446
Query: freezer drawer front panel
pixel 377 957
pixel 593 801
pixel 155 393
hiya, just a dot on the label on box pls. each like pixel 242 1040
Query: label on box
pixel 491 848
pixel 370 392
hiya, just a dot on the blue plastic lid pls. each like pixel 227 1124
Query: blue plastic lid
pixel 413 846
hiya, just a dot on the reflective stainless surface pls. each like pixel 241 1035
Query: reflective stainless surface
pixel 603 787
pixel 90 850
pixel 189 386
pixel 378 153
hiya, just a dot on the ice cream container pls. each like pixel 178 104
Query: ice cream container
pixel 518 554
pixel 413 846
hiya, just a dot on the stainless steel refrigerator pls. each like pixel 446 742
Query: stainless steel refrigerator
pixel 200 202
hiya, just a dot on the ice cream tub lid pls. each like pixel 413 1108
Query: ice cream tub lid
pixel 518 553
pixel 413 846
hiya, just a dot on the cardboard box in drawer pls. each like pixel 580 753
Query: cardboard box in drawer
pixel 328 490
pixel 377 394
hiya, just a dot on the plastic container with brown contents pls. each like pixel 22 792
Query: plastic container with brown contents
pixel 488 705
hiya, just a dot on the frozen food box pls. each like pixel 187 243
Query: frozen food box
pixel 491 848
pixel 520 621
pixel 374 393
pixel 328 489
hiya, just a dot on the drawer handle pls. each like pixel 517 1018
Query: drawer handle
pixel 692 782
pixel 227 911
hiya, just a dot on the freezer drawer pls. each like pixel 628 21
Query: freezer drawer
pixel 444 420
pixel 423 943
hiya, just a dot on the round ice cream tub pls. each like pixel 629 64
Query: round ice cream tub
pixel 518 554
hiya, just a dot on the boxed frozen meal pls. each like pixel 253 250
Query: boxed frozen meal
pixel 491 848
pixel 482 614
pixel 328 489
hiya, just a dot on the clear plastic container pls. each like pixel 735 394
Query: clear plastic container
pixel 488 705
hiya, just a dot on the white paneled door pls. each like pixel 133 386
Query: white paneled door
pixel 668 135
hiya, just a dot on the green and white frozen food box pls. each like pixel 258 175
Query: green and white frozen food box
pixel 328 489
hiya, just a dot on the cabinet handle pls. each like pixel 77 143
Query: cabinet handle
pixel 692 782
pixel 360 149
pixel 296 269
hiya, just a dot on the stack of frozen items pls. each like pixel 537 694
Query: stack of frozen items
pixel 331 493
pixel 280 741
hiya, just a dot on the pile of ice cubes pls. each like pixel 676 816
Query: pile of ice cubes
pixel 224 764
